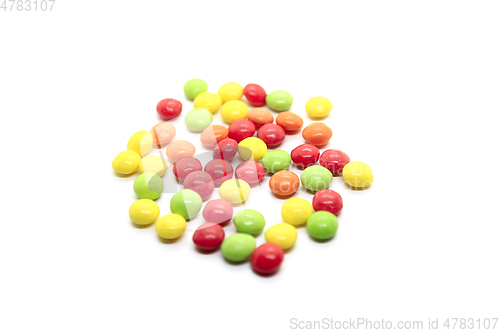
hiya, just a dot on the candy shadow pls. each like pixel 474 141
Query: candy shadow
pixel 321 240
pixel 232 263
pixel 120 175
pixel 205 252
pixel 266 276
pixel 140 226
pixel 167 241
pixel 352 188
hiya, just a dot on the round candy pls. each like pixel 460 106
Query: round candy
pixel 328 200
pixel 126 162
pixel 322 225
pixel 250 171
pixel 255 94
pixel 234 110
pixel 260 116
pixel 213 134
pixel 198 119
pixel 357 174
pixel 185 166
pixel 219 170
pixel 317 133
pixel 209 101
pixel 144 211
pixel 148 186
pixel 279 100
pixel 180 149
pixel 272 134
pixel 241 129
pixel 153 164
pixel 230 91
pixel 194 87
pixel 200 182
pixel 284 183
pixel 226 149
pixel 316 178
pixel 208 236
pixel 186 203
pixel 276 160
pixel 162 133
pixel 234 191
pixel 305 155
pixel 290 121
pixel 218 211
pixel 249 221
pixel 318 107
pixel 238 247
pixel 169 108
pixel 140 142
pixel 170 226
pixel 296 211
pixel 252 148
pixel 267 259
pixel 334 160
pixel 282 234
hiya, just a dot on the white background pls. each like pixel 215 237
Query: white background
pixel 415 92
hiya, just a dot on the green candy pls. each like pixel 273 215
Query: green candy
pixel 198 119
pixel 316 178
pixel 238 247
pixel 322 225
pixel 276 160
pixel 194 87
pixel 186 203
pixel 279 100
pixel 148 186
pixel 249 221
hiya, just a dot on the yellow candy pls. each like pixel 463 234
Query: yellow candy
pixel 153 164
pixel 282 234
pixel 144 211
pixel 126 162
pixel 357 174
pixel 230 91
pixel 318 107
pixel 234 191
pixel 252 148
pixel 140 142
pixel 170 226
pixel 209 101
pixel 234 110
pixel 296 211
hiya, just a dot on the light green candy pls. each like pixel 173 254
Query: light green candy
pixel 194 87
pixel 186 203
pixel 238 247
pixel 249 221
pixel 316 178
pixel 148 186
pixel 322 225
pixel 198 119
pixel 279 100
pixel 276 160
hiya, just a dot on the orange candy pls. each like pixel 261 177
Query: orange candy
pixel 290 121
pixel 213 134
pixel 317 134
pixel 260 116
pixel 284 183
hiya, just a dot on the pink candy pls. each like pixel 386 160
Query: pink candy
pixel 185 166
pixel 200 182
pixel 162 134
pixel 250 171
pixel 226 149
pixel 219 170
pixel 218 211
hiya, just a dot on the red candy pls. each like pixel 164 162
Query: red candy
pixel 169 108
pixel 305 155
pixel 251 172
pixel 255 94
pixel 208 236
pixel 334 160
pixel 220 170
pixel 226 149
pixel 267 258
pixel 328 200
pixel 241 129
pixel 185 166
pixel 271 134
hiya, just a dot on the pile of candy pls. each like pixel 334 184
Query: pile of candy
pixel 199 182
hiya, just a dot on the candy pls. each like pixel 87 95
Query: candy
pixel 170 226
pixel 209 101
pixel 316 178
pixel 238 247
pixel 144 211
pixel 249 221
pixel 140 142
pixel 162 133
pixel 255 94
pixel 148 186
pixel 284 183
pixel 186 203
pixel 241 129
pixel 334 160
pixel 305 155
pixel 282 234
pixel 317 133
pixel 234 110
pixel 126 162
pixel 198 119
pixel 230 91
pixel 276 160
pixel 296 211
pixel 272 134
pixel 218 211
pixel 234 191
pixel 357 174
pixel 290 121
pixel 322 225
pixel 169 108
pixel 180 149
pixel 318 107
pixel 252 148
pixel 194 87
pixel 279 100
pixel 200 182
pixel 260 116
pixel 185 166
pixel 153 164
pixel 267 259
pixel 226 149
pixel 208 236
pixel 250 171
pixel 219 170
pixel 328 200
pixel 213 134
